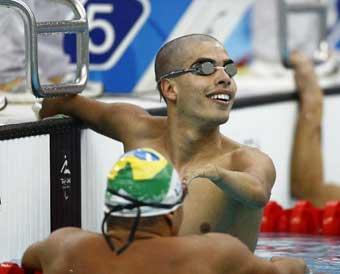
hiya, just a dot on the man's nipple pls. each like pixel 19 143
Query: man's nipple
pixel 205 227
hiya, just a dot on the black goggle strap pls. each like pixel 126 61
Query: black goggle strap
pixel 132 233
pixel 134 204
pixel 175 73
pixel 107 215
pixel 140 203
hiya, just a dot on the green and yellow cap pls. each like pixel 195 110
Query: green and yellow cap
pixel 143 175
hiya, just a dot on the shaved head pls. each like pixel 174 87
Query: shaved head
pixel 170 56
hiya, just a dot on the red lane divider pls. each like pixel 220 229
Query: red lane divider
pixel 303 218
pixel 12 268
pixel 331 219
pixel 275 218
pixel 271 217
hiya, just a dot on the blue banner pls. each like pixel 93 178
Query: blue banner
pixel 125 35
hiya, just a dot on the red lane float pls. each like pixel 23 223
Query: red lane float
pixel 271 216
pixel 12 268
pixel 331 219
pixel 303 218
pixel 275 218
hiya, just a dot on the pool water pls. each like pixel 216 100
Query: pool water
pixel 321 253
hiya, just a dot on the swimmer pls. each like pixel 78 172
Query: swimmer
pixel 230 183
pixel 143 213
pixel 307 178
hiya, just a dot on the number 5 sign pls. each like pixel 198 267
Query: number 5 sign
pixel 113 24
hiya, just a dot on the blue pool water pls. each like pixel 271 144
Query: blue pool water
pixel 322 254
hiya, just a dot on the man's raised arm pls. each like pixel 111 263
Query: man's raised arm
pixel 248 178
pixel 115 120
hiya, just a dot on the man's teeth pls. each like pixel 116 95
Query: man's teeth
pixel 224 97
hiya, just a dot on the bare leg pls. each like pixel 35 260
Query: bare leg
pixel 307 179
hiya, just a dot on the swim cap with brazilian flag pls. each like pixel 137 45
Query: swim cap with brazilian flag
pixel 143 175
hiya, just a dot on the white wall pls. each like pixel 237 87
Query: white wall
pixel 331 139
pixel 25 194
pixel 98 154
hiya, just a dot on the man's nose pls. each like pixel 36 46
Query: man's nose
pixel 222 78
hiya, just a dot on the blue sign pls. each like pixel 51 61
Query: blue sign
pixel 124 38
pixel 112 26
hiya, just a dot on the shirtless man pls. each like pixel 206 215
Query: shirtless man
pixel 194 75
pixel 156 248
pixel 307 179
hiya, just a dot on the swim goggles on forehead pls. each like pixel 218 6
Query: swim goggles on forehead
pixel 204 68
pixel 133 204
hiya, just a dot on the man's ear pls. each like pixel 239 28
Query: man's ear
pixel 174 220
pixel 169 89
pixel 169 218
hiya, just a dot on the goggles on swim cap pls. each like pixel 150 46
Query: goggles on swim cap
pixel 204 68
pixel 134 204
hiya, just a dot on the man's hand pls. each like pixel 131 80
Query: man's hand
pixel 208 171
pixel 300 60
pixel 246 185
pixel 53 106
pixel 292 265
pixel 307 85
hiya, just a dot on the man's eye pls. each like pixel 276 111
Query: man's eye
pixel 230 69
pixel 202 63
pixel 197 65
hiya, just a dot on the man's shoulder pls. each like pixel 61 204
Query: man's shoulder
pixel 191 247
pixel 221 238
pixel 239 150
pixel 245 150
pixel 146 126
pixel 243 157
pixel 209 241
pixel 143 115
pixel 229 143
pixel 62 232
pixel 71 235
pixel 227 250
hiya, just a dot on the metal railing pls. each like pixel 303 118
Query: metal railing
pixel 78 25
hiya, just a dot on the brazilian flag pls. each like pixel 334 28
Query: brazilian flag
pixel 144 175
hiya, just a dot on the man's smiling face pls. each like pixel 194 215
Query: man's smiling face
pixel 205 97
